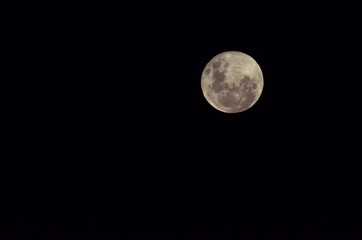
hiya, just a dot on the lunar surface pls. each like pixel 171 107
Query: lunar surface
pixel 232 82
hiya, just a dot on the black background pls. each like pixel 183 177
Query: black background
pixel 114 139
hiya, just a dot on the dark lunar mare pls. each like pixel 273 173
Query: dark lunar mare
pixel 246 83
pixel 218 77
pixel 247 86
pixel 248 101
pixel 216 65
pixel 246 90
pixel 228 100
pixel 207 71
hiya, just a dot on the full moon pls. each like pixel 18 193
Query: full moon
pixel 232 82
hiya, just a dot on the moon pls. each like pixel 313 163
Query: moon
pixel 232 82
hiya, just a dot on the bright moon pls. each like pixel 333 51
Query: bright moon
pixel 232 82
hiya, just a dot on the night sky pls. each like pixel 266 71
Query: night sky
pixel 115 140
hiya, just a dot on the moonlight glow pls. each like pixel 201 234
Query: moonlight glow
pixel 232 82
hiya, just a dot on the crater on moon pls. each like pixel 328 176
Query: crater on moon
pixel 232 89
